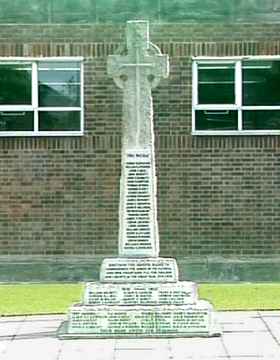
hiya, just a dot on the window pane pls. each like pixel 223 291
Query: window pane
pixel 261 120
pixel 59 121
pixel 15 80
pixel 216 84
pixel 59 84
pixel 216 120
pixel 261 81
pixel 16 121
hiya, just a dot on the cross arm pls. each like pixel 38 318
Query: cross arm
pixel 115 68
pixel 160 70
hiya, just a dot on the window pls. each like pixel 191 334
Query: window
pixel 235 96
pixel 41 97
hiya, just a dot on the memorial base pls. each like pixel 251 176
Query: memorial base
pixel 126 308
pixel 95 321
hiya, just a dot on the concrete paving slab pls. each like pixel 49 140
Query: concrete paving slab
pixel 11 318
pixel 236 315
pixel 139 349
pixel 251 344
pixel 270 313
pixel 141 354
pixel 148 344
pixel 273 326
pixel 3 347
pixel 273 357
pixel 43 349
pixel 249 358
pixel 202 357
pixel 197 348
pixel 238 322
pixel 38 328
pixel 10 326
pixel 87 350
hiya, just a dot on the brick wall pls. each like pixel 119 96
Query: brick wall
pixel 216 195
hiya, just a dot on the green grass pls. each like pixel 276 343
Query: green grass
pixel 20 299
pixel 242 296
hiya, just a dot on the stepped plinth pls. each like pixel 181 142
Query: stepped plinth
pixel 139 294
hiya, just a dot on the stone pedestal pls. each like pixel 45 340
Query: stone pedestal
pixel 140 310
pixel 140 302
pixel 139 294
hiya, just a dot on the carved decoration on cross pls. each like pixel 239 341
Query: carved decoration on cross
pixel 136 73
pixel 142 55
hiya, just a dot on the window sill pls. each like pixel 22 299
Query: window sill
pixel 40 134
pixel 235 132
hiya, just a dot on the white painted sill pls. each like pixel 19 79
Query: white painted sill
pixel 235 133
pixel 40 134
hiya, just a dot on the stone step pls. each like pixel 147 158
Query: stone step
pixel 184 292
pixel 133 270
pixel 140 321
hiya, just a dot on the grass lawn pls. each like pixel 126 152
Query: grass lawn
pixel 242 296
pixel 20 299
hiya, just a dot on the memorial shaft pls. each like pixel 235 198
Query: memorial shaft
pixel 136 73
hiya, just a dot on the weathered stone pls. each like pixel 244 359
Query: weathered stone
pixel 180 293
pixel 131 270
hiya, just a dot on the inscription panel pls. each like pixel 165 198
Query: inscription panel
pixel 140 294
pixel 142 321
pixel 138 235
pixel 139 270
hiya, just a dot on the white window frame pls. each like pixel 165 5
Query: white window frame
pixel 237 60
pixel 34 107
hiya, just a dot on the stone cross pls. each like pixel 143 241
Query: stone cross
pixel 136 73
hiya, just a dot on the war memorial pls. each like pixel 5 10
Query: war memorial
pixel 139 293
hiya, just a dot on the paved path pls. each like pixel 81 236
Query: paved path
pixel 246 336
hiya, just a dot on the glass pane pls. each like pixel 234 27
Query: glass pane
pixel 216 120
pixel 261 120
pixel 216 84
pixel 261 81
pixel 15 80
pixel 60 121
pixel 16 121
pixel 59 84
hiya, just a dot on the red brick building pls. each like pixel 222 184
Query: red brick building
pixel 218 174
